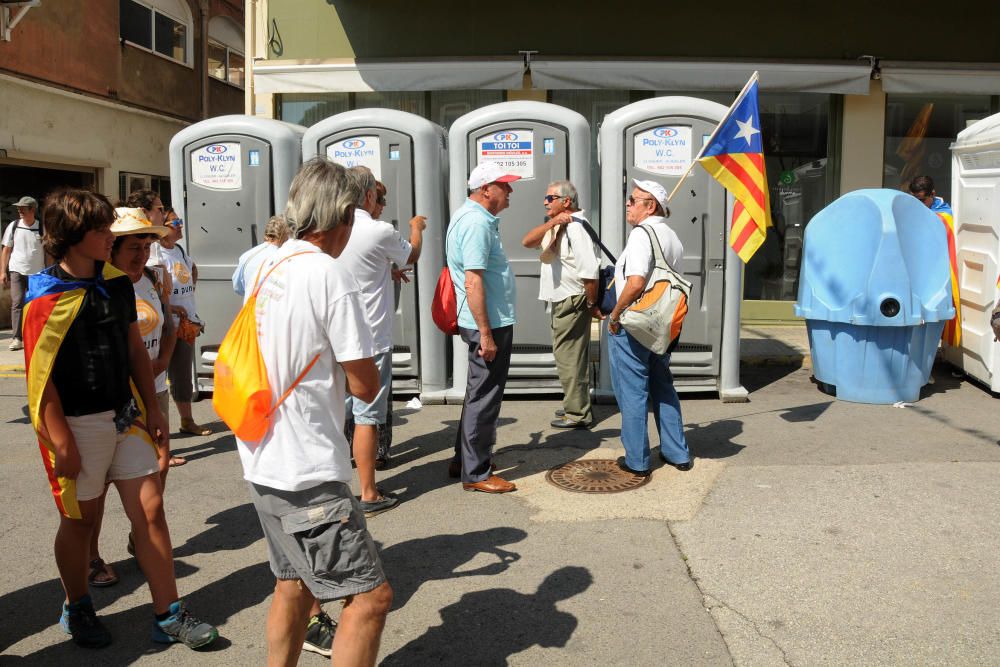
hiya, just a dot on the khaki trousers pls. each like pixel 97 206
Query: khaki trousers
pixel 571 347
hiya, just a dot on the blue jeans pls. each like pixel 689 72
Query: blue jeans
pixel 641 381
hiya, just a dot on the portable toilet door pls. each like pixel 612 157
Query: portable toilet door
pixel 975 192
pixel 228 176
pixel 541 143
pixel 656 139
pixel 407 154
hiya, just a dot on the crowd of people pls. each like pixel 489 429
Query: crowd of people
pixel 108 329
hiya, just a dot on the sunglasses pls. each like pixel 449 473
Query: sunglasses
pixel 380 201
pixel 633 200
pixel 551 198
pixel 175 223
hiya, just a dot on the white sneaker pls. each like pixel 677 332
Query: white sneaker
pixel 16 344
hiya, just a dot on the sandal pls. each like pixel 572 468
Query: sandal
pixel 177 461
pixel 194 428
pixel 101 575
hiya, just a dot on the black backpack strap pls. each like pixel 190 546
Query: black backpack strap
pixel 596 239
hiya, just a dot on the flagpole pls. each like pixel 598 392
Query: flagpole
pixel 739 98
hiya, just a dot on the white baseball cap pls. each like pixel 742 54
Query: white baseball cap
pixel 489 172
pixel 658 191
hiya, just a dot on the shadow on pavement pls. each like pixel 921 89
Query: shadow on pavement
pixel 414 562
pixel 232 529
pixel 486 628
pixel 755 378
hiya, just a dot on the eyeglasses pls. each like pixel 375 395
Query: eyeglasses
pixel 380 201
pixel 551 198
pixel 175 223
pixel 633 200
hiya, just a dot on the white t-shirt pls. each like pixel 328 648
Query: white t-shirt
pixel 149 310
pixel 637 258
pixel 578 260
pixel 310 304
pixel 26 255
pixel 373 248
pixel 180 266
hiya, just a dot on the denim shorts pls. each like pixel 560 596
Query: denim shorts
pixel 319 535
pixel 374 413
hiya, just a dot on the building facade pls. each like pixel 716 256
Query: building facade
pixel 854 95
pixel 91 91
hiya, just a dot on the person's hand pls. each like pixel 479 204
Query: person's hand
pixel 67 461
pixel 401 275
pixel 563 218
pixel 418 222
pixel 179 310
pixel 163 459
pixel 596 313
pixel 614 326
pixel 487 347
pixel 4 279
pixel 156 426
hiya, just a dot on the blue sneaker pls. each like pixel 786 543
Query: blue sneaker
pixel 79 620
pixel 182 627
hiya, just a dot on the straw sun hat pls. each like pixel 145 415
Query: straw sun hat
pixel 134 221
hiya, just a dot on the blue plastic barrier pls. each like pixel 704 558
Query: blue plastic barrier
pixel 875 291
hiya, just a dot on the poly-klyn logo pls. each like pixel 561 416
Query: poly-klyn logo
pixel 505 136
pixel 216 149
pixel 665 132
pixel 353 143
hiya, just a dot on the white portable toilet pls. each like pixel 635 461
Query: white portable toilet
pixel 228 176
pixel 541 143
pixel 407 154
pixel 975 192
pixel 656 139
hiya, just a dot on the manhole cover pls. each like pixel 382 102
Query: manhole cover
pixel 594 476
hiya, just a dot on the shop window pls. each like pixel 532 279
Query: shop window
pixel 129 182
pixel 226 61
pixel 918 133
pixel 308 109
pixel 160 26
pixel 439 106
pixel 411 102
pixel 801 178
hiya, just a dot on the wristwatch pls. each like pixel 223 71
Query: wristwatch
pixel 591 304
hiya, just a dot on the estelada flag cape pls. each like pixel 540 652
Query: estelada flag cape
pixel 51 306
pixel 952 334
pixel 734 156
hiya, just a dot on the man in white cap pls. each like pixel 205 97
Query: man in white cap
pixel 21 257
pixel 641 378
pixel 484 290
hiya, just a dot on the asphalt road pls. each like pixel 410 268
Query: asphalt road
pixel 810 532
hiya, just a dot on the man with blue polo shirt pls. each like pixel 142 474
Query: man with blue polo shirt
pixel 484 289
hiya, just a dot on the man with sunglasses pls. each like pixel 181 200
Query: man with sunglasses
pixel 485 292
pixel 568 284
pixel 922 187
pixel 370 253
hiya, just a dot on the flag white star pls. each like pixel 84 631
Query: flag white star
pixel 747 130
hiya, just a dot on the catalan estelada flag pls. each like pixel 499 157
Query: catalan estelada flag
pixel 734 156
pixel 51 306
pixel 952 334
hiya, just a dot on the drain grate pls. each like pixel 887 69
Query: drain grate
pixel 594 476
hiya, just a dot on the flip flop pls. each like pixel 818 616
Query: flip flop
pixel 193 428
pixel 98 568
pixel 177 461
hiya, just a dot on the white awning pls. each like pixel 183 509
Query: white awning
pixel 941 78
pixel 350 76
pixel 841 78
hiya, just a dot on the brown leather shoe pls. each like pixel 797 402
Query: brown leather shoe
pixel 492 484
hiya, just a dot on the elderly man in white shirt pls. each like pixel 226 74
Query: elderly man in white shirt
pixel 22 256
pixel 369 256
pixel 568 283
pixel 641 378
pixel 311 315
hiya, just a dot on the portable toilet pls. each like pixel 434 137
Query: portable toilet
pixel 975 191
pixel 407 154
pixel 656 139
pixel 228 176
pixel 541 143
